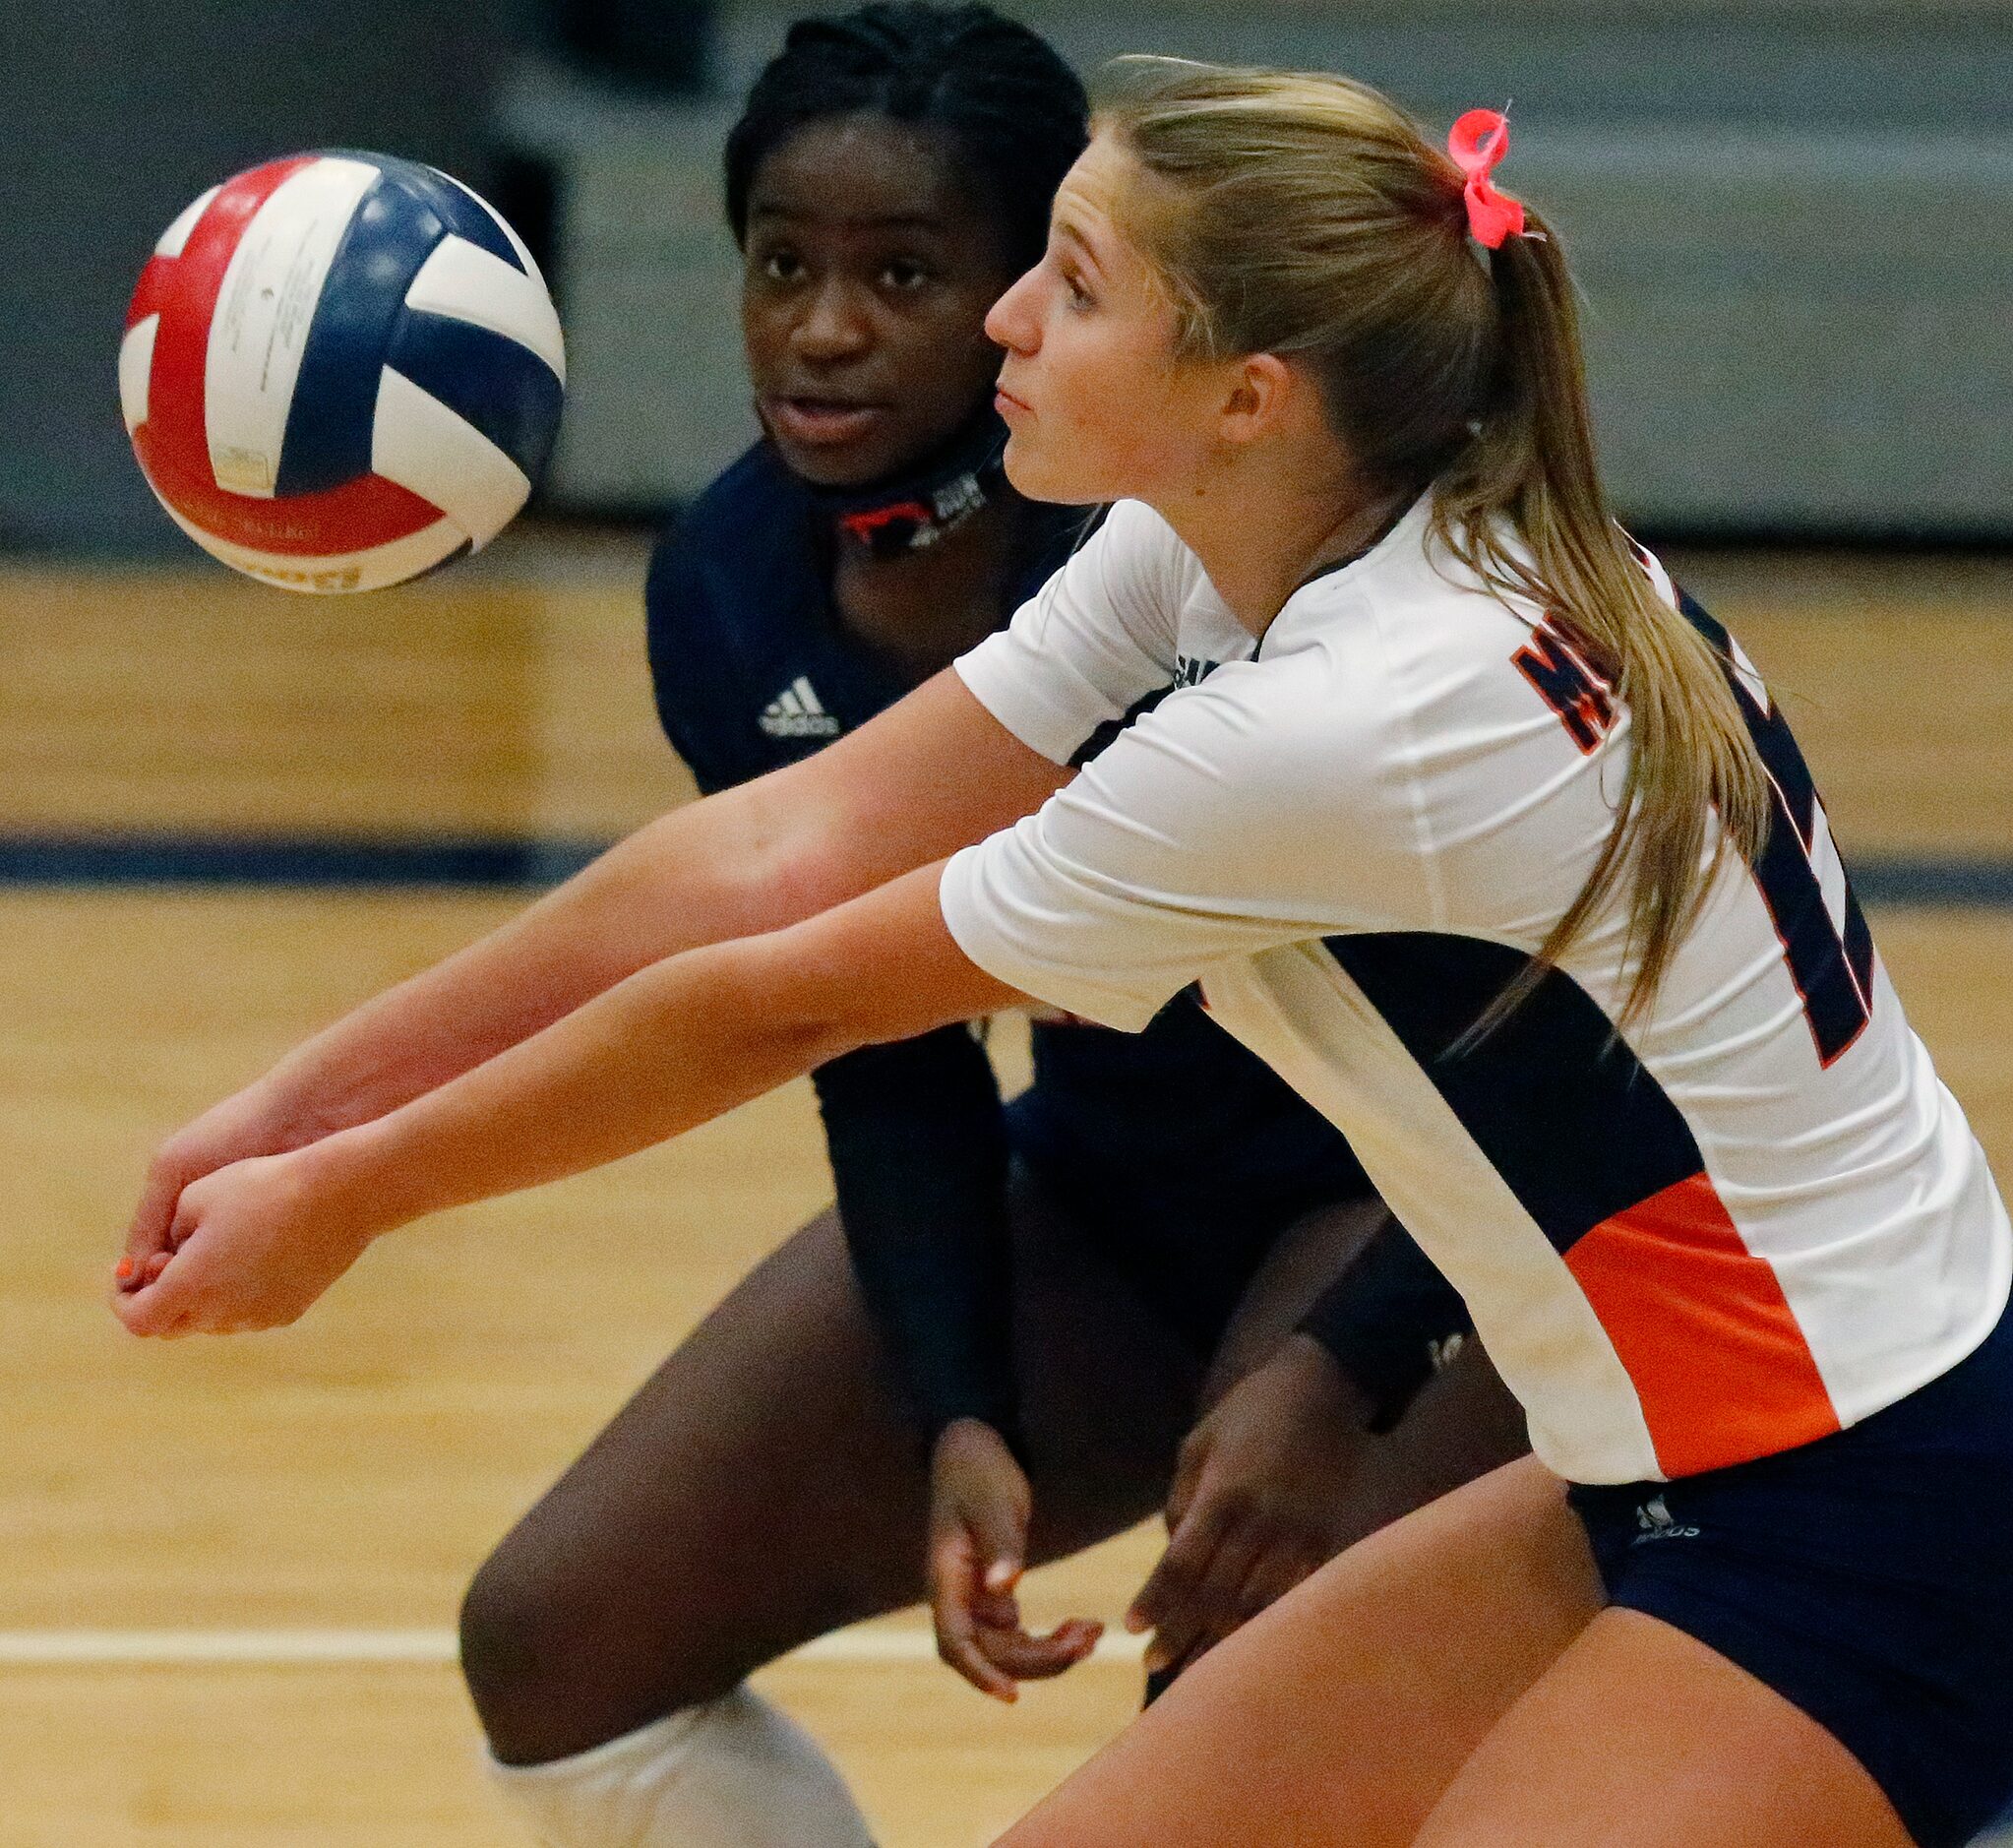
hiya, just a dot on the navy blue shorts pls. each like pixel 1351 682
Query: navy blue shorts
pixel 1868 1577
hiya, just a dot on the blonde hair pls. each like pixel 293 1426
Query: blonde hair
pixel 1307 216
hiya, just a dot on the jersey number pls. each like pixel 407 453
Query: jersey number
pixel 1832 968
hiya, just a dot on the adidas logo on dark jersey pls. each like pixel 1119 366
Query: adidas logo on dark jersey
pixel 796 712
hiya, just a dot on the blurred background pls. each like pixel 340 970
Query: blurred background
pixel 228 814
pixel 1794 222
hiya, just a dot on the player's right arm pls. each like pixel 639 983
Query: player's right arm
pixel 934 772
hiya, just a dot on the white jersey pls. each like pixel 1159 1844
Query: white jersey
pixel 1728 1231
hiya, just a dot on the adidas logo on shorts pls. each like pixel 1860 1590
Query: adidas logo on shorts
pixel 1654 1521
pixel 796 712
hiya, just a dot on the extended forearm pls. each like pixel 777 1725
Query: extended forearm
pixel 869 807
pixel 713 871
pixel 919 1158
pixel 670 1047
pixel 661 1051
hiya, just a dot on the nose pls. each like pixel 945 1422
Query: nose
pixel 1013 321
pixel 832 326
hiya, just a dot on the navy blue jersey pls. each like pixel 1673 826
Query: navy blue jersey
pixel 1181 1149
pixel 747 661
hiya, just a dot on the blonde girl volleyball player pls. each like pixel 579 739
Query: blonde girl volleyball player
pixel 1503 860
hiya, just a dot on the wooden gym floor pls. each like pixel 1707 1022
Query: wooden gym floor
pixel 233 1566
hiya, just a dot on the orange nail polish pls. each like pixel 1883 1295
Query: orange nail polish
pixel 124 1270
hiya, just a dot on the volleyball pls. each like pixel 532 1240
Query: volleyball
pixel 341 370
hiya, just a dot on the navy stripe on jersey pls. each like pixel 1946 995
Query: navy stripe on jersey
pixel 1102 737
pixel 1562 1108
pixel 1833 970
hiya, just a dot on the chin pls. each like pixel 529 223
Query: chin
pixel 830 469
pixel 821 470
pixel 1033 479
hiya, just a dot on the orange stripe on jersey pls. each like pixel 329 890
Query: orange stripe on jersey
pixel 1703 1330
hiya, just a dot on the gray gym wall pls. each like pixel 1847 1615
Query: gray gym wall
pixel 1793 224
pixel 112 118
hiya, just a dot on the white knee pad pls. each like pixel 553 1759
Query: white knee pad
pixel 734 1773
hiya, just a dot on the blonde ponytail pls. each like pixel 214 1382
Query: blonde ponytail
pixel 1531 464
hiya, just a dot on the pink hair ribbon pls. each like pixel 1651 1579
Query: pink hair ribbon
pixel 1480 139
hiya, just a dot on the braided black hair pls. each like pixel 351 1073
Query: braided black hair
pixel 1013 112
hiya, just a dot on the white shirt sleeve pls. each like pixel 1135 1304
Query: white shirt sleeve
pixel 1093 642
pixel 1245 813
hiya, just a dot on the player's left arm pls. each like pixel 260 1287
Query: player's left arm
pixel 670 1047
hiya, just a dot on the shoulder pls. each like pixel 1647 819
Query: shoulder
pixel 1373 680
pixel 1129 576
pixel 727 592
pixel 1409 632
pixel 1124 551
pixel 1292 729
pixel 728 535
pixel 1094 641
pixel 1140 553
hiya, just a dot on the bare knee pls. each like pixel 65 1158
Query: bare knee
pixel 549 1667
pixel 516 1660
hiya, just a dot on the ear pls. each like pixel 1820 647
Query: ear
pixel 1263 393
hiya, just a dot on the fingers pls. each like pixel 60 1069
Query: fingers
pixel 997 1658
pixel 1213 1606
pixel 1029 1657
pixel 979 1633
pixel 131 1276
pixel 162 1299
pixel 147 1235
pixel 1276 1572
pixel 1273 1572
pixel 158 1309
pixel 957 1648
pixel 1277 1567
pixel 152 1229
pixel 1188 1476
pixel 168 1315
pixel 1175 1580
pixel 998 1533
pixel 954 1594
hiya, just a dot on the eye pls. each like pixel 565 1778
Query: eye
pixel 1079 297
pixel 905 275
pixel 779 265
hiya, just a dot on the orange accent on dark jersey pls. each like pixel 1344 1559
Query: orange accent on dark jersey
pixel 876 518
pixel 1703 1330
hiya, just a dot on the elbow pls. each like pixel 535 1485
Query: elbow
pixel 760 988
pixel 794 860
pixel 811 1003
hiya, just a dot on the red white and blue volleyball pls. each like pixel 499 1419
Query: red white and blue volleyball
pixel 341 370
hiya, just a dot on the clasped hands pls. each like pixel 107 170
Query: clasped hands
pixel 240 1226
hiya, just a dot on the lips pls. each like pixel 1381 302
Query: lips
pixel 820 422
pixel 1004 402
